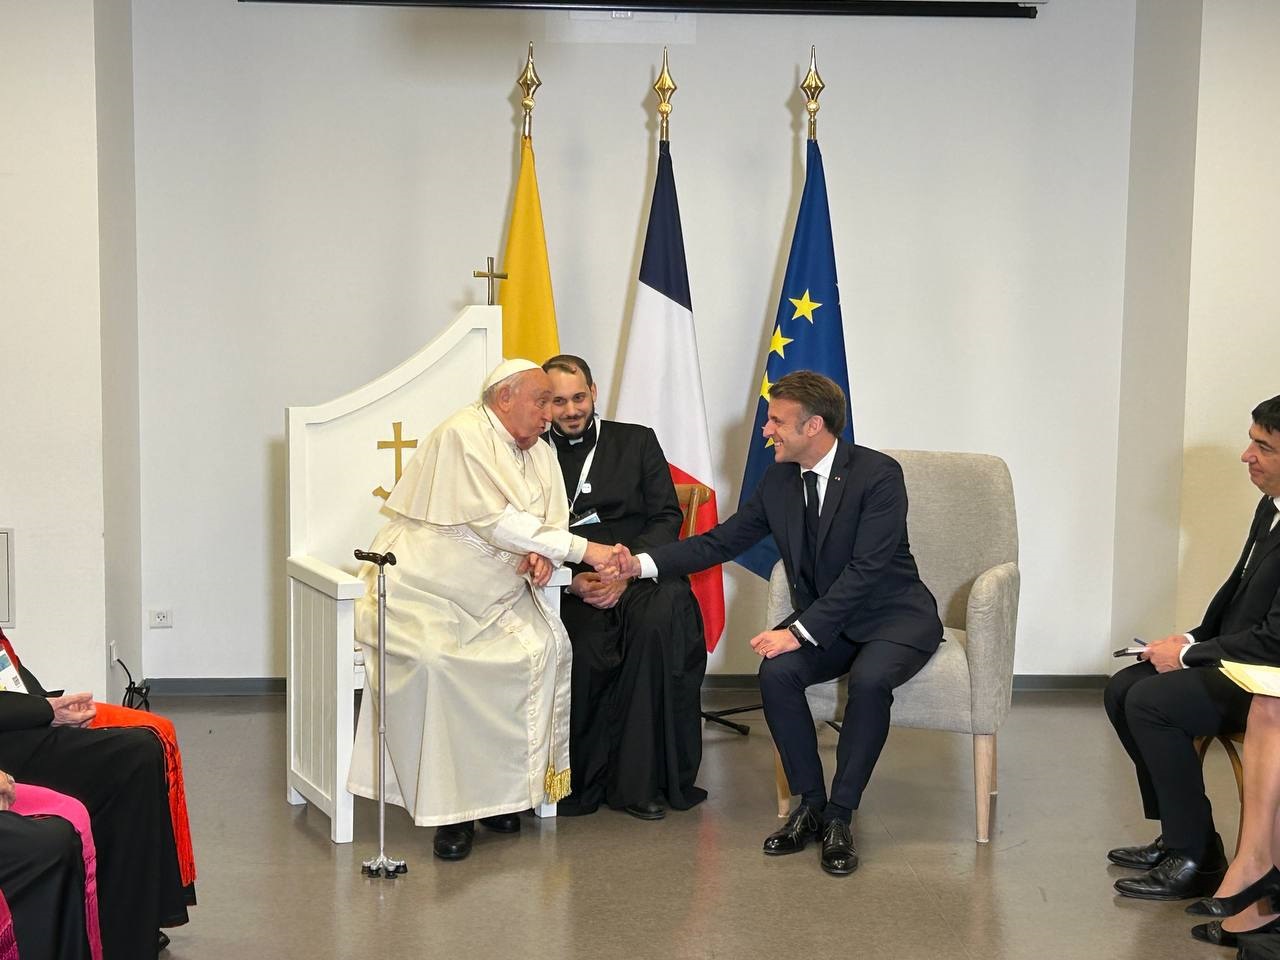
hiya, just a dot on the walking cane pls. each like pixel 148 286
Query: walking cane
pixel 382 865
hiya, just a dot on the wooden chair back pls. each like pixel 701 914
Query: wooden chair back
pixel 691 497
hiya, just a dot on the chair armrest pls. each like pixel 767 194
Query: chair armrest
pixel 779 606
pixel 991 622
pixel 328 579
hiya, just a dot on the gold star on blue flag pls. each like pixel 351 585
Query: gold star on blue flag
pixel 807 334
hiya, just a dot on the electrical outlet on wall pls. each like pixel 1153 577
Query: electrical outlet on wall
pixel 161 619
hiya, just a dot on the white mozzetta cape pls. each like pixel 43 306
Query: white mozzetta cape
pixel 477 664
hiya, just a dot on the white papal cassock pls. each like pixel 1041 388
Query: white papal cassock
pixel 477 664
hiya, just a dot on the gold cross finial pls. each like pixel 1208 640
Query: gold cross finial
pixel 528 82
pixel 489 274
pixel 664 87
pixel 812 87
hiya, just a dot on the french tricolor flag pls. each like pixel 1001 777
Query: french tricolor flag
pixel 661 382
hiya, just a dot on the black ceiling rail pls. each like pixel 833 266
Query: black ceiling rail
pixel 993 9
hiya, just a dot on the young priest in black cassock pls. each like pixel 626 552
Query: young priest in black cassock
pixel 639 652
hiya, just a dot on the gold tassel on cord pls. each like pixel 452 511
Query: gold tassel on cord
pixel 556 785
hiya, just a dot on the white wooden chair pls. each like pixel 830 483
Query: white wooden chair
pixel 340 453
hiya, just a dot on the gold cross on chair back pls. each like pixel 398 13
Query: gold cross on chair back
pixel 691 497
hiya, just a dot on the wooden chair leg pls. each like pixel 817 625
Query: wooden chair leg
pixel 984 778
pixel 781 786
pixel 995 766
pixel 1237 768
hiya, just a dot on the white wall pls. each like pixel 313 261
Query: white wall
pixel 316 184
pixel 1235 304
pixel 122 502
pixel 1154 352
pixel 51 431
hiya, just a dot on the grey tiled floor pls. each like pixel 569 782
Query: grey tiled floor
pixel 696 885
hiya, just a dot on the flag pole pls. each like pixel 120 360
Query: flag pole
pixel 664 87
pixel 812 86
pixel 528 82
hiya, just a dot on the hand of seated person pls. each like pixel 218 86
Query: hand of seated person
pixel 592 589
pixel 1164 653
pixel 538 567
pixel 600 557
pixel 623 565
pixel 73 709
pixel 7 793
pixel 773 642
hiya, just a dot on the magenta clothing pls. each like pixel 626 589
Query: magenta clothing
pixel 8 945
pixel 38 801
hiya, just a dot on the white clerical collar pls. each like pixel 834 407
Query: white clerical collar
pixel 823 467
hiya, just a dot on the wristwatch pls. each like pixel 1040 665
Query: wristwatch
pixel 795 632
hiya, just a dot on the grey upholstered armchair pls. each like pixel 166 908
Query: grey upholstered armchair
pixel 964 535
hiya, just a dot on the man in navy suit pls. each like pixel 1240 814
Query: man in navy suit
pixel 838 513
pixel 1176 693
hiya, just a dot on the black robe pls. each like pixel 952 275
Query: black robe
pixel 42 879
pixel 119 775
pixel 635 729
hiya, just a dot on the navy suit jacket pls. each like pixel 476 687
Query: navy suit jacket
pixel 868 587
pixel 1243 619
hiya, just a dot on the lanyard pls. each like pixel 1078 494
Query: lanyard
pixel 586 466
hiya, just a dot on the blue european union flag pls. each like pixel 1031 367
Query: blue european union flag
pixel 808 334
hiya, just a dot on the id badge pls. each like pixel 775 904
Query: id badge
pixel 591 516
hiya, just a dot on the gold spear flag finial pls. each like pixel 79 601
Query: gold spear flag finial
pixel 664 87
pixel 812 87
pixel 528 82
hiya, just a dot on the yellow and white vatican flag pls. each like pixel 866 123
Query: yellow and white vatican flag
pixel 528 307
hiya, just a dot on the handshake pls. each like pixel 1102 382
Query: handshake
pixel 613 566
pixel 611 563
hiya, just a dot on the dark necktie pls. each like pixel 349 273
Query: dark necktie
pixel 809 549
pixel 811 510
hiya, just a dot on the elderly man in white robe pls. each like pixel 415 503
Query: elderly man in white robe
pixel 477 664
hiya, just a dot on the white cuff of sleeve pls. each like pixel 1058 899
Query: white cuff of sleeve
pixel 577 548
pixel 804 633
pixel 648 569
pixel 1183 652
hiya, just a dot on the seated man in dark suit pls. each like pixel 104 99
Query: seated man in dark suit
pixel 639 653
pixel 838 513
pixel 1159 706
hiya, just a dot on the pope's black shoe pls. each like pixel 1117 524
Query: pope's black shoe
pixel 503 822
pixel 453 840
pixel 1139 858
pixel 647 809
pixel 801 827
pixel 838 855
pixel 1179 877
